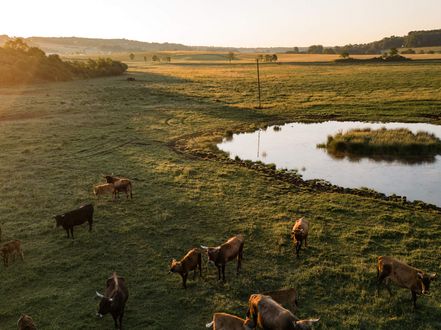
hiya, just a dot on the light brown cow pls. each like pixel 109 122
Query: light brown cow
pixel 10 250
pixel 286 297
pixel 230 250
pixel 267 314
pixel 300 232
pixel 106 188
pixel 191 261
pixel 223 321
pixel 25 322
pixel 403 275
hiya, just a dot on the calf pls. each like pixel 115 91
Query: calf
pixel 300 233
pixel 287 297
pixel 223 321
pixel 106 188
pixel 114 299
pixel 74 218
pixel 405 276
pixel 267 314
pixel 25 322
pixel 121 184
pixel 191 261
pixel 10 250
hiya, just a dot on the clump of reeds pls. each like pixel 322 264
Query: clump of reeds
pixel 399 142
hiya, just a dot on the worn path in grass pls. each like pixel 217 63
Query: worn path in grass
pixel 49 164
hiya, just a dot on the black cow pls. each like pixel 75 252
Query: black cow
pixel 114 299
pixel 74 218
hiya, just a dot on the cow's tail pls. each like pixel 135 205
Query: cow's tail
pixel 130 185
pixel 209 325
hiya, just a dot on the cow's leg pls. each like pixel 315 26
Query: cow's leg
pixel 71 232
pixel 219 272
pixel 239 259
pixel 414 299
pixel 184 280
pixel 21 255
pixel 67 232
pixel 194 272
pixel 223 272
pixel 298 247
pixel 115 319
pixel 121 317
pixel 383 274
pixel 90 224
pixel 200 264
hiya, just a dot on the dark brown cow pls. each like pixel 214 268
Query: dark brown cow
pixel 74 218
pixel 121 184
pixel 300 232
pixel 267 314
pixel 25 322
pixel 405 276
pixel 10 250
pixel 191 261
pixel 114 299
pixel 223 321
pixel 287 297
pixel 230 250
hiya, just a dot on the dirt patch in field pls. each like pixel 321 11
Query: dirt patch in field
pixel 22 116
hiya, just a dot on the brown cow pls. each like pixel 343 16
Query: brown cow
pixel 300 232
pixel 223 321
pixel 405 276
pixel 230 250
pixel 191 261
pixel 11 249
pixel 106 188
pixel 25 322
pixel 287 297
pixel 121 184
pixel 114 299
pixel 267 314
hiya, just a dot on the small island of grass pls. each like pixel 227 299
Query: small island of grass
pixel 385 144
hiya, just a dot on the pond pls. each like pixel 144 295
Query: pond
pixel 294 146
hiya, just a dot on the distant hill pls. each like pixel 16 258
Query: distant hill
pixel 74 45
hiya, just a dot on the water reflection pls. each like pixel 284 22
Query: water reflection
pixel 293 146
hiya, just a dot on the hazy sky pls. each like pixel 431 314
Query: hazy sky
pixel 221 23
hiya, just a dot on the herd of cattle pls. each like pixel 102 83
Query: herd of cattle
pixel 265 310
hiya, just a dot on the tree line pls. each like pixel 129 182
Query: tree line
pixel 413 39
pixel 20 63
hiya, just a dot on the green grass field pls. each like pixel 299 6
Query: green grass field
pixel 57 139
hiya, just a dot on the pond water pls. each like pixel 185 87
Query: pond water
pixel 294 146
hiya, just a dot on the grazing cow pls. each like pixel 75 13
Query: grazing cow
pixel 106 188
pixel 114 299
pixel 405 276
pixel 10 250
pixel 191 261
pixel 25 322
pixel 121 184
pixel 223 321
pixel 287 297
pixel 230 250
pixel 267 314
pixel 131 79
pixel 299 233
pixel 74 218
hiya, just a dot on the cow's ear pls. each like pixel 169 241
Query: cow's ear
pixel 433 276
pixel 420 275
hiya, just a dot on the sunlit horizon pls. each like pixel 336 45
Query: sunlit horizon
pixel 282 23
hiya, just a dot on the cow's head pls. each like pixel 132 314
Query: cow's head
pixel 175 266
pixel 426 279
pixel 105 305
pixel 59 219
pixel 212 253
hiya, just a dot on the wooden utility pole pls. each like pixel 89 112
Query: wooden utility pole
pixel 258 83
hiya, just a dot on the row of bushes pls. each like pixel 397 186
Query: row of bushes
pixel 20 64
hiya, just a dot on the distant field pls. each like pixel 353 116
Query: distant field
pixel 195 57
pixel 57 139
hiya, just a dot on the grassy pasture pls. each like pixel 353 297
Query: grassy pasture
pixel 56 139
